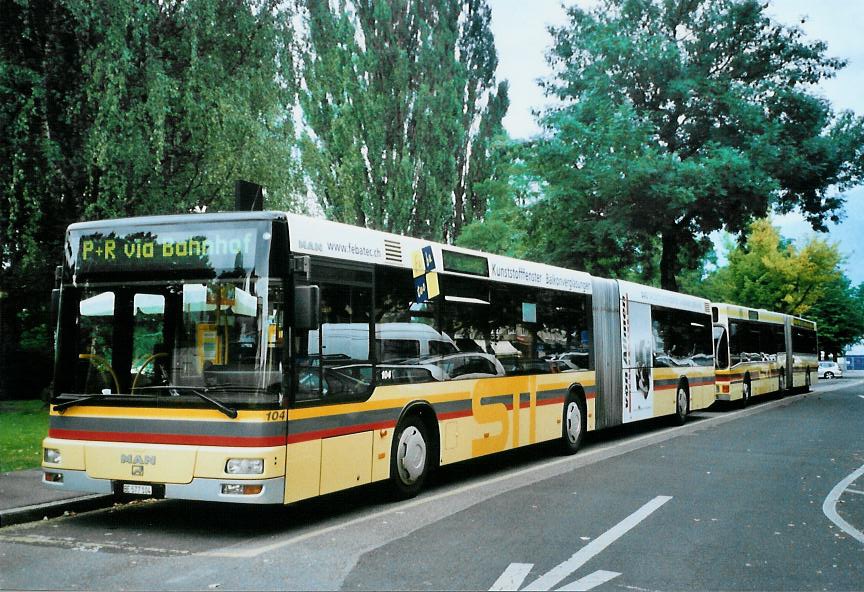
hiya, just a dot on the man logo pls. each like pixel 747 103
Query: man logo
pixel 137 459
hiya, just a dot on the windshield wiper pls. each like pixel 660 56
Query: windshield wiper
pixel 67 404
pixel 232 413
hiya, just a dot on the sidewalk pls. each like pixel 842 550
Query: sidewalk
pixel 23 498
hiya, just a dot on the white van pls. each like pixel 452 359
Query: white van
pixel 394 341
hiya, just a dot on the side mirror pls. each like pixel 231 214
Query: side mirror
pixel 307 303
pixel 55 308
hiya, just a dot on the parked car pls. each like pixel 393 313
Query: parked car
pixel 828 369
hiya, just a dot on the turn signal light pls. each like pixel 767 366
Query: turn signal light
pixel 53 477
pixel 239 489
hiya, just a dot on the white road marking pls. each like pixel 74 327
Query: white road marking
pixel 512 577
pixel 89 546
pixel 590 581
pixel 855 491
pixel 829 507
pixel 862 396
pixel 561 571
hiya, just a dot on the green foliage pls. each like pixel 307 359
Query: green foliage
pixel 122 107
pixel 23 425
pixel 768 272
pixel 839 315
pixel 679 119
pixel 393 97
pixel 184 100
pixel 503 227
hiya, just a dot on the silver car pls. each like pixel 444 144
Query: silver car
pixel 828 369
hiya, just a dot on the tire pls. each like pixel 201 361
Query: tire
pixel 781 387
pixel 747 393
pixel 574 424
pixel 829 375
pixel 409 458
pixel 682 404
pixel 807 380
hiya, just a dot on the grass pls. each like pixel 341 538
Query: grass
pixel 23 424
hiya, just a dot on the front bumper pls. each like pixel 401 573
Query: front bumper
pixel 210 490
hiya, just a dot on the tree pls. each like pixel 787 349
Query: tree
pixel 399 104
pixel 185 98
pixel 839 316
pixel 502 228
pixel 677 119
pixel 771 273
pixel 124 107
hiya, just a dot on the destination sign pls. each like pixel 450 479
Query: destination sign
pixel 217 248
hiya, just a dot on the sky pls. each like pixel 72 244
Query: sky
pixel 522 41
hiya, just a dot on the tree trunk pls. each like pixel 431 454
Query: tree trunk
pixel 669 261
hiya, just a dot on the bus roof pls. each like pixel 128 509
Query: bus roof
pixel 315 236
pixel 333 239
pixel 733 311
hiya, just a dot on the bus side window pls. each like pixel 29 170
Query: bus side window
pixel 337 364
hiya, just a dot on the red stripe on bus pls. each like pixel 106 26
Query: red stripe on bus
pixel 340 431
pixel 193 439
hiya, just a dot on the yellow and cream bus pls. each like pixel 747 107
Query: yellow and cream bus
pixel 265 357
pixel 760 352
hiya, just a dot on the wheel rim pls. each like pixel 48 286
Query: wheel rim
pixel 746 391
pixel 782 381
pixel 574 422
pixel 411 455
pixel 682 402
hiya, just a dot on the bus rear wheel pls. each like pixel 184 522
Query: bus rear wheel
pixel 409 458
pixel 682 404
pixel 574 424
pixel 746 392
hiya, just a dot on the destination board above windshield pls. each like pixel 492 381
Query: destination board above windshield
pixel 214 249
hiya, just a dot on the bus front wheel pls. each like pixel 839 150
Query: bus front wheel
pixel 409 458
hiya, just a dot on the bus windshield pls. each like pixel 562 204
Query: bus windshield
pixel 176 314
pixel 148 341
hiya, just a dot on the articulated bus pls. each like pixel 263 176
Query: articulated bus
pixel 265 357
pixel 760 352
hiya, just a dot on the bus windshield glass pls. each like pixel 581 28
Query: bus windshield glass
pixel 136 332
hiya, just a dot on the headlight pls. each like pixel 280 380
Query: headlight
pixel 51 455
pixel 244 466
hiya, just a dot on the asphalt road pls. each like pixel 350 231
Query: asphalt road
pixel 766 498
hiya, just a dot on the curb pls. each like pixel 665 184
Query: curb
pixel 55 509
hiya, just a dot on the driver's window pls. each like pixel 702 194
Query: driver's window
pixel 149 352
pixel 94 372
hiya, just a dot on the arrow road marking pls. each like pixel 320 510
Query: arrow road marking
pixel 561 571
pixel 590 581
pixel 512 577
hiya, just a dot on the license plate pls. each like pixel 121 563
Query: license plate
pixel 137 489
